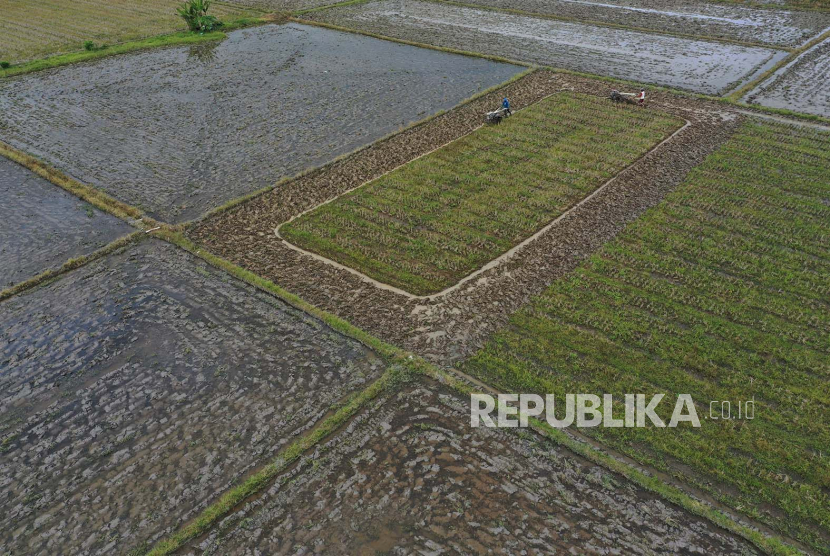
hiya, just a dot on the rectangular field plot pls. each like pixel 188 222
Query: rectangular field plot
pixel 37 29
pixel 689 17
pixel 179 131
pixel 428 224
pixel 801 86
pixel 697 65
pixel 412 477
pixel 43 226
pixel 136 389
pixel 720 292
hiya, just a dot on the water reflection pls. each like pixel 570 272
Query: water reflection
pixel 204 52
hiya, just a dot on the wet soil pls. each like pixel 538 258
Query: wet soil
pixel 138 387
pixel 412 476
pixel 801 86
pixel 695 65
pixel 181 130
pixel 43 226
pixel 773 27
pixel 449 328
pixel 282 5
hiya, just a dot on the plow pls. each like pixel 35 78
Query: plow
pixel 630 98
pixel 496 116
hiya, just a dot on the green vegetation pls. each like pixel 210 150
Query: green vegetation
pixel 428 224
pixel 720 292
pixel 30 30
pixel 195 15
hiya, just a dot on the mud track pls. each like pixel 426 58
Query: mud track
pixel 137 387
pixel 451 327
pixel 409 476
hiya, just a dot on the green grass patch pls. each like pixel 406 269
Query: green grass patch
pixel 30 30
pixel 428 224
pixel 182 38
pixel 720 292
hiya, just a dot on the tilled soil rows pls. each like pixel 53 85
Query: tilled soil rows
pixel 43 226
pixel 803 86
pixel 411 477
pixel 137 388
pixel 697 65
pixel 450 327
pixel 179 131
pixel 773 27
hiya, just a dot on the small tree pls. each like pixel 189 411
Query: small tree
pixel 194 12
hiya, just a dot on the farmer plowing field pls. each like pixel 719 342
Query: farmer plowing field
pixel 496 116
pixel 631 98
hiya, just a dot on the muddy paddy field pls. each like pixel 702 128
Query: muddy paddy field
pixel 128 402
pixel 42 226
pixel 705 19
pixel 210 123
pixel 410 476
pixel 696 65
pixel 801 85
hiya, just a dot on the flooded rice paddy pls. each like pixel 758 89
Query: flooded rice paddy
pixel 43 226
pixel 739 23
pixel 181 130
pixel 410 476
pixel 137 388
pixel 695 65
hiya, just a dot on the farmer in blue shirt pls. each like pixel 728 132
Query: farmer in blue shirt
pixel 506 105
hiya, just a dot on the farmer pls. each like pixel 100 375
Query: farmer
pixel 641 98
pixel 505 104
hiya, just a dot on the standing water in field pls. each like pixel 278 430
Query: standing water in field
pixel 179 131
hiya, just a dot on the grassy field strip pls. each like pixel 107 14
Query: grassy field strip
pixel 490 265
pixel 35 29
pixel 720 292
pixel 596 23
pixel 181 38
pixel 781 66
pixel 430 223
pixel 335 264
pixel 369 279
